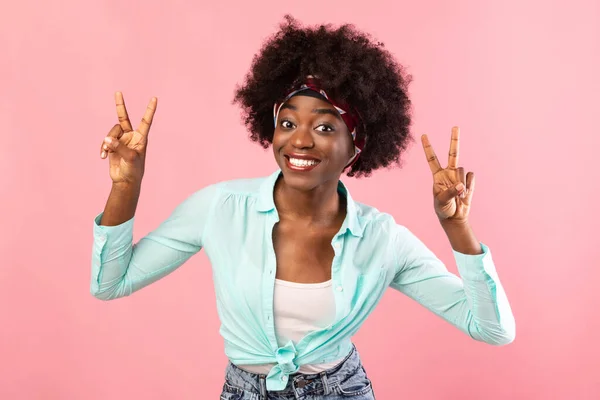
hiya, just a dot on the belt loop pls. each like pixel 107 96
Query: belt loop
pixel 325 383
pixel 263 386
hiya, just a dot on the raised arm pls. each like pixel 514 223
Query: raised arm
pixel 119 267
pixel 477 303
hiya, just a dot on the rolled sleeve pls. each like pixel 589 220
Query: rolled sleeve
pixel 493 320
pixel 475 267
pixel 112 246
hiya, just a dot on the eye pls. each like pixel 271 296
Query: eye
pixel 286 124
pixel 326 128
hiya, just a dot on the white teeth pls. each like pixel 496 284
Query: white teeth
pixel 302 163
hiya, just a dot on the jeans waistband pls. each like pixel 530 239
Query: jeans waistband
pixel 298 383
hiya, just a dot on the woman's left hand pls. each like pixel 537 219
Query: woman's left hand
pixel 452 193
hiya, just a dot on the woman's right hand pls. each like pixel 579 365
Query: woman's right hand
pixel 126 147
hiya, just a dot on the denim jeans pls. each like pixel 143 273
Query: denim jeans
pixel 346 380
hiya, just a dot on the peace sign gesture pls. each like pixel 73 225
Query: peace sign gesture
pixel 126 147
pixel 452 193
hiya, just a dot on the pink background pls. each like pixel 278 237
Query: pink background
pixel 519 78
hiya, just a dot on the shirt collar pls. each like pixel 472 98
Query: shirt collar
pixel 266 203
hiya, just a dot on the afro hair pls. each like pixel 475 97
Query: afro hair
pixel 351 67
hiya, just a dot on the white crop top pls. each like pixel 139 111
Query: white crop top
pixel 300 308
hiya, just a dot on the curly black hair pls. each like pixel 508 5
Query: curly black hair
pixel 351 67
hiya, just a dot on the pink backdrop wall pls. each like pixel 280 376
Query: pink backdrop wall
pixel 520 78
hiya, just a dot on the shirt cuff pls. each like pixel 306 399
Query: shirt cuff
pixel 475 267
pixel 118 234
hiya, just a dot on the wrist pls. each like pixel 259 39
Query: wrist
pixel 454 224
pixel 461 237
pixel 126 187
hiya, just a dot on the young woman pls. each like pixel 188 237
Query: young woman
pixel 298 265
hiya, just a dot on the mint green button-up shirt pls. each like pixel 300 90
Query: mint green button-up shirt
pixel 233 222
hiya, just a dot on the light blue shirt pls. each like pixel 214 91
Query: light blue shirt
pixel 233 221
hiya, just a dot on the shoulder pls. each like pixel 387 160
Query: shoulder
pixel 225 192
pixel 375 220
pixel 382 225
pixel 382 230
pixel 247 186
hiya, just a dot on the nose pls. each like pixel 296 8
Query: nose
pixel 302 138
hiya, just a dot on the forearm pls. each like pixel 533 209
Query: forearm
pixel 121 204
pixel 489 317
pixel 461 237
pixel 120 268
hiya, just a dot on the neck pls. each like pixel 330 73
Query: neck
pixel 322 204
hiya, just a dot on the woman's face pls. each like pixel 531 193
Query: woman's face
pixel 311 142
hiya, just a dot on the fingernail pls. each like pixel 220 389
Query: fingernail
pixel 460 187
pixel 103 154
pixel 107 139
pixel 105 147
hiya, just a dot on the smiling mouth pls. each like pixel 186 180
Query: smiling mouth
pixel 301 164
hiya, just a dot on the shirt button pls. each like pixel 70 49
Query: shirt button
pixel 337 246
pixel 283 377
pixel 340 289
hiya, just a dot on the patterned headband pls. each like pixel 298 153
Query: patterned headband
pixel 350 118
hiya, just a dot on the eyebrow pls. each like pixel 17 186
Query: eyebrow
pixel 314 110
